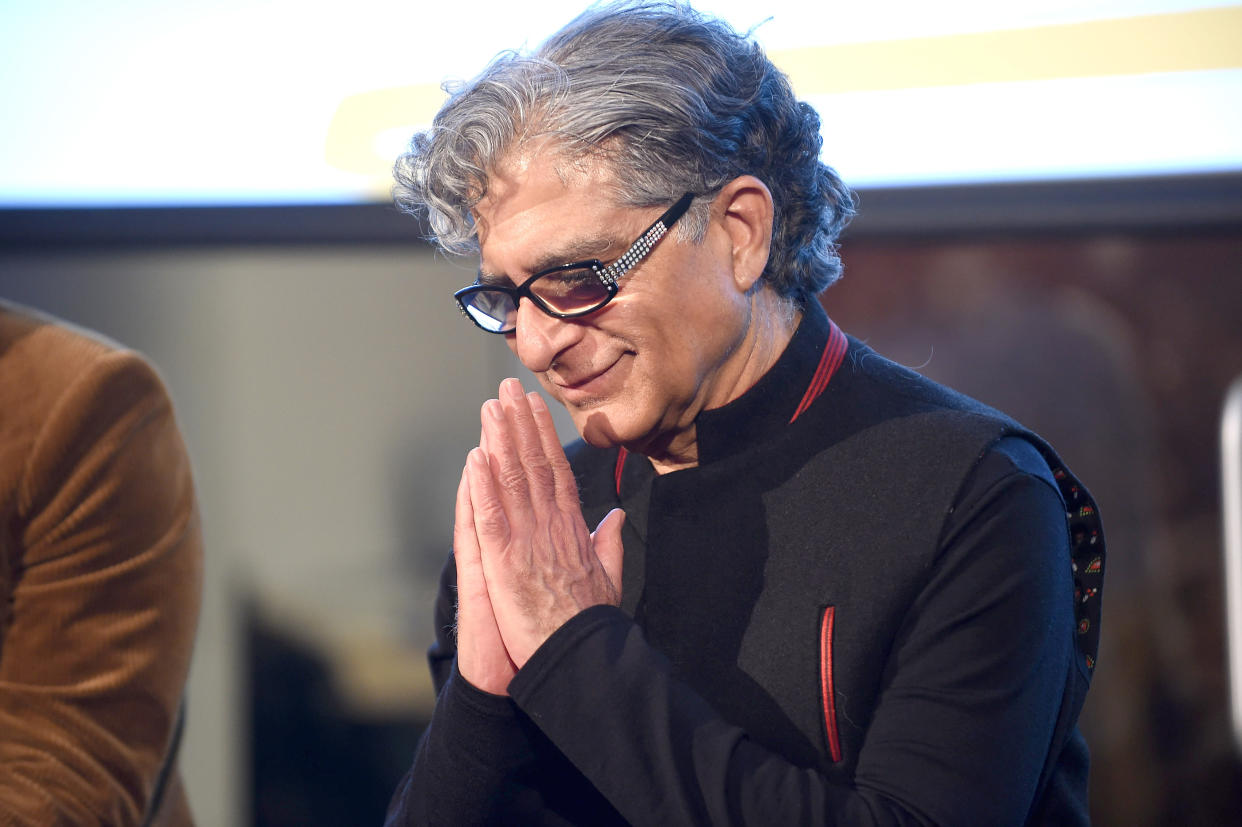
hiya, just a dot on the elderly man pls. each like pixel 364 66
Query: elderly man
pixel 822 589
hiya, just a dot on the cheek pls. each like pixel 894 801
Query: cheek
pixel 662 393
pixel 704 336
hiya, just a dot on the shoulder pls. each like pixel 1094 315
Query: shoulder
pixel 875 380
pixel 881 422
pixel 910 440
pixel 48 365
pixel 25 331
pixel 896 410
pixel 61 385
pixel 1010 457
pixel 80 413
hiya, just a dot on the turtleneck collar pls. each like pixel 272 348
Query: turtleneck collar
pixel 780 396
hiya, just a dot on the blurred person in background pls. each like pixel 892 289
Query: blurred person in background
pixel 100 581
pixel 821 589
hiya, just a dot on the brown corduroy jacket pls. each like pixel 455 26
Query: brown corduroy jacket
pixel 100 581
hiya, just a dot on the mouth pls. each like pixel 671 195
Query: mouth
pixel 593 386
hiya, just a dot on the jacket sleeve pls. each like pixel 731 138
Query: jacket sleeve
pixel 472 746
pixel 970 709
pixel 481 760
pixel 105 595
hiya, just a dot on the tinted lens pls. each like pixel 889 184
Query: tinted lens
pixel 491 310
pixel 570 291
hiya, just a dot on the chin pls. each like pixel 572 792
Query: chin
pixel 600 429
pixel 595 428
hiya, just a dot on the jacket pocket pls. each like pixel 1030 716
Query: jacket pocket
pixel 827 691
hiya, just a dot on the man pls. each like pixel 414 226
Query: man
pixel 100 581
pixel 821 590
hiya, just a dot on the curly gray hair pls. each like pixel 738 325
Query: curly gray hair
pixel 673 100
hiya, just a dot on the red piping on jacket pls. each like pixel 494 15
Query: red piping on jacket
pixel 829 361
pixel 621 454
pixel 827 692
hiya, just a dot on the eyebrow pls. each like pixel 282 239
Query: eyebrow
pixel 584 249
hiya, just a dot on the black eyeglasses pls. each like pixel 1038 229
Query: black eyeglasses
pixel 568 290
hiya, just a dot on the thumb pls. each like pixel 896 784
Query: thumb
pixel 606 540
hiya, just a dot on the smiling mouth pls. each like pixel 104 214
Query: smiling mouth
pixel 592 386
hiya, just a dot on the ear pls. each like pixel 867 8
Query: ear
pixel 745 206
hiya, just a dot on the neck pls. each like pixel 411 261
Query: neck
pixel 773 321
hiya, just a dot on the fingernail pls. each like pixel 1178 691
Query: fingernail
pixel 492 408
pixel 512 388
pixel 536 401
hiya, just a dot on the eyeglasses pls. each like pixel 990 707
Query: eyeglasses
pixel 566 291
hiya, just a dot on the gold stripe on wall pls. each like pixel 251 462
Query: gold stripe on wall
pixel 1197 40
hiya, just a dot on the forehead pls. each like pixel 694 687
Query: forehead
pixel 538 205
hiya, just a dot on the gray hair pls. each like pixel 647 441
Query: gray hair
pixel 672 100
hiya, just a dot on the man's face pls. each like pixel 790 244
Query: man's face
pixel 638 371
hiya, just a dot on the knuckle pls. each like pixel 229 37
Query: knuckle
pixel 541 477
pixel 490 522
pixel 560 465
pixel 532 455
pixel 512 480
pixel 530 450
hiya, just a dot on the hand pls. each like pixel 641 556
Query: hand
pixel 481 656
pixel 541 566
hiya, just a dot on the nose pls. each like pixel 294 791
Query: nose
pixel 540 339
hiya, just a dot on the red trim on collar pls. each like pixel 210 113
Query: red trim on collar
pixel 834 353
pixel 829 361
pixel 621 454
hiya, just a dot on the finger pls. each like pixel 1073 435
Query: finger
pixel 481 656
pixel 562 474
pixel 482 430
pixel 465 544
pixel 526 438
pixel 491 524
pixel 606 540
pixel 470 582
pixel 509 475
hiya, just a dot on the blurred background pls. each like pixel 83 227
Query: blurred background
pixel 1050 220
